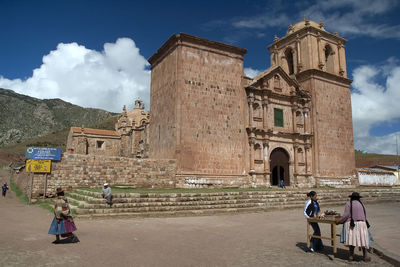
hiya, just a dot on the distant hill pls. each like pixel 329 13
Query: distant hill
pixel 16 153
pixel 369 159
pixel 23 117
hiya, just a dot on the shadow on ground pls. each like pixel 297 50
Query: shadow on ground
pixel 342 254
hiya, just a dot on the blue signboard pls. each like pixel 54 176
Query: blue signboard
pixel 45 153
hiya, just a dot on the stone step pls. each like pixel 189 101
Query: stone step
pixel 202 205
pixel 167 208
pixel 216 199
pixel 329 193
pixel 173 213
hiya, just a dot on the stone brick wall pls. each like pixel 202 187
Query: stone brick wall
pixel 334 149
pixel 198 107
pixel 163 98
pixel 76 171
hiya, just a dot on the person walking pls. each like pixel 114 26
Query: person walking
pixel 4 189
pixel 106 193
pixel 312 209
pixel 62 224
pixel 355 229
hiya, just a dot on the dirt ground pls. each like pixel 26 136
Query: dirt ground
pixel 276 238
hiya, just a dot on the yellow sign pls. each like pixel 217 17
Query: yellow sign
pixel 37 165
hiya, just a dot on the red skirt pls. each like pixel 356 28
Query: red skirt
pixel 69 226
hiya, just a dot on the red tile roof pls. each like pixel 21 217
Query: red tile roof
pixel 94 131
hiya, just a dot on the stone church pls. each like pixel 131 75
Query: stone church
pixel 292 122
pixel 130 138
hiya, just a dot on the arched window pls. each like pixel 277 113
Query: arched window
pixel 329 58
pixel 289 60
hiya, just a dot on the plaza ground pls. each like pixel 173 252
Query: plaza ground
pixel 276 238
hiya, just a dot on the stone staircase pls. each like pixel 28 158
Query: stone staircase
pixel 90 204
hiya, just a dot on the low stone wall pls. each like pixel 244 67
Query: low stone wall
pixel 343 182
pixel 76 171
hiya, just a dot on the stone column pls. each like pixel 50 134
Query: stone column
pixel 250 101
pixel 266 156
pixel 294 108
pixel 299 65
pixel 341 71
pixel 306 152
pixel 295 147
pixel 265 113
pixel 306 122
pixel 320 63
pixel 267 171
pixel 252 142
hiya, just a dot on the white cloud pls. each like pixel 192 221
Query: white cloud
pixel 374 104
pixel 108 79
pixel 249 72
pixel 348 17
pixel 354 17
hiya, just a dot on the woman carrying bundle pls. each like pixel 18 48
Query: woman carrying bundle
pixel 63 223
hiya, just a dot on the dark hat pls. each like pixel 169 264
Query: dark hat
pixel 59 190
pixel 355 195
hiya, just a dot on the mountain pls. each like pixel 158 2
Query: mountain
pixel 23 117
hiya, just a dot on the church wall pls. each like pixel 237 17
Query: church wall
pixel 76 171
pixel 163 107
pixel 110 146
pixel 212 121
pixel 333 128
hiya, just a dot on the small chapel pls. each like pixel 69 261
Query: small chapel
pixel 129 139
pixel 290 123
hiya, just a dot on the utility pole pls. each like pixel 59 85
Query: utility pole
pixel 397 153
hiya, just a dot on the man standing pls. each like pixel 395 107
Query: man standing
pixel 4 189
pixel 106 193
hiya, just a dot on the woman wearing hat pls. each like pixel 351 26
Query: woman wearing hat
pixel 355 228
pixel 106 193
pixel 62 223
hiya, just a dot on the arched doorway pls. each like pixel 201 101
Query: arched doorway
pixel 279 166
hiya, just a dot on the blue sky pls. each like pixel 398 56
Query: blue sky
pixel 93 53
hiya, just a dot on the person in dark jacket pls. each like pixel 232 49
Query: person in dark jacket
pixel 4 189
pixel 311 209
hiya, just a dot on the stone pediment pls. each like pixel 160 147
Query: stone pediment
pixel 259 80
pixel 275 81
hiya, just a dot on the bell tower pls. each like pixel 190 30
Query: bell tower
pixel 316 59
pixel 307 45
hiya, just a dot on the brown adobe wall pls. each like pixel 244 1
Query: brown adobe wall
pixel 76 171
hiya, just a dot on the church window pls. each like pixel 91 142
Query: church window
pixel 289 60
pixel 278 117
pixel 100 144
pixel 329 58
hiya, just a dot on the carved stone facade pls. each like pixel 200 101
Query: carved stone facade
pixel 292 122
pixel 130 138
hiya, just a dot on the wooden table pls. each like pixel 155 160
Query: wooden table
pixel 330 220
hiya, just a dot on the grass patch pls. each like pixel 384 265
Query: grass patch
pixel 18 192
